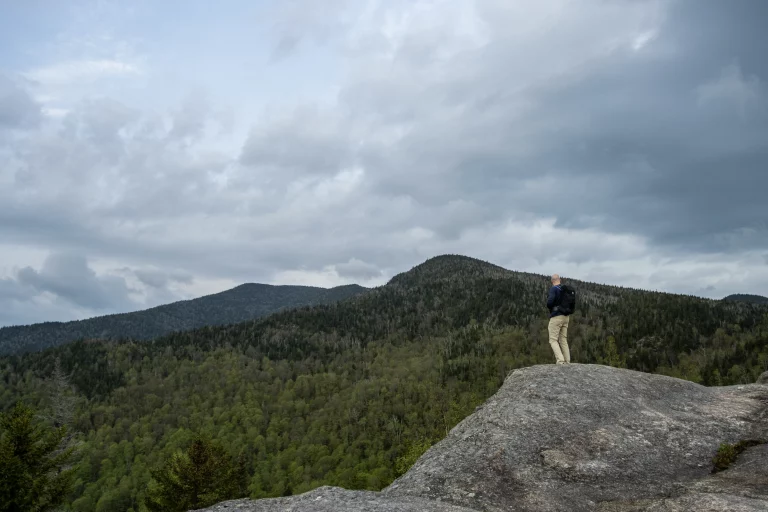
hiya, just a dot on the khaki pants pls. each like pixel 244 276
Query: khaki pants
pixel 558 338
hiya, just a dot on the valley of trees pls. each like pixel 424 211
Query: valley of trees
pixel 245 302
pixel 350 394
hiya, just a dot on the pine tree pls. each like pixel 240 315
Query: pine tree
pixel 61 395
pixel 31 463
pixel 612 356
pixel 63 404
pixel 200 477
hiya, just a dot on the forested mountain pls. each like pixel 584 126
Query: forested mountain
pixel 350 393
pixel 245 302
pixel 744 297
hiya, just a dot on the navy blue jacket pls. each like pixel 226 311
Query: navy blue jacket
pixel 553 299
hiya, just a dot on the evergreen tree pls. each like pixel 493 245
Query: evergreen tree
pixel 62 397
pixel 202 476
pixel 612 356
pixel 31 462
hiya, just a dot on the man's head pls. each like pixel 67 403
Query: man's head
pixel 555 279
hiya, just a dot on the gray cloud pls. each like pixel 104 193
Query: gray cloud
pixel 17 108
pixel 10 289
pixel 65 287
pixel 68 277
pixel 293 21
pixel 156 278
pixel 606 139
pixel 627 147
pixel 189 121
pixel 358 270
pixel 307 141
pixel 618 141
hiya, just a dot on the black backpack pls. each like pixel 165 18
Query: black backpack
pixel 567 300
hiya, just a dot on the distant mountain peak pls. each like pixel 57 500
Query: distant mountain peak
pixel 449 266
pixel 245 302
pixel 745 297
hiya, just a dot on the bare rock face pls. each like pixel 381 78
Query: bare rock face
pixel 742 488
pixel 763 378
pixel 578 438
pixel 334 499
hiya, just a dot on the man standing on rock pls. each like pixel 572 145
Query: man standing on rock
pixel 560 302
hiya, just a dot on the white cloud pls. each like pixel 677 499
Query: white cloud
pixel 332 275
pixel 64 73
pixel 642 39
pixel 55 112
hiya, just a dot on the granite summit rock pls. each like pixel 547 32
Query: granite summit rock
pixel 578 438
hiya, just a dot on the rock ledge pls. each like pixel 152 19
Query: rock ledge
pixel 577 438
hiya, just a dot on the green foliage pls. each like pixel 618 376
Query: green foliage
pixel 200 477
pixel 612 356
pixel 728 453
pixel 725 456
pixel 31 463
pixel 411 455
pixel 341 394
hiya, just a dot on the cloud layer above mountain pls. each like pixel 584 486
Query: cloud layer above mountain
pixel 150 152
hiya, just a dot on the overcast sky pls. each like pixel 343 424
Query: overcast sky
pixel 152 151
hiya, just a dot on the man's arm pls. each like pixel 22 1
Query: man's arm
pixel 552 297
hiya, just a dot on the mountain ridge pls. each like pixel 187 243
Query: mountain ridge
pixel 244 302
pixel 746 297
